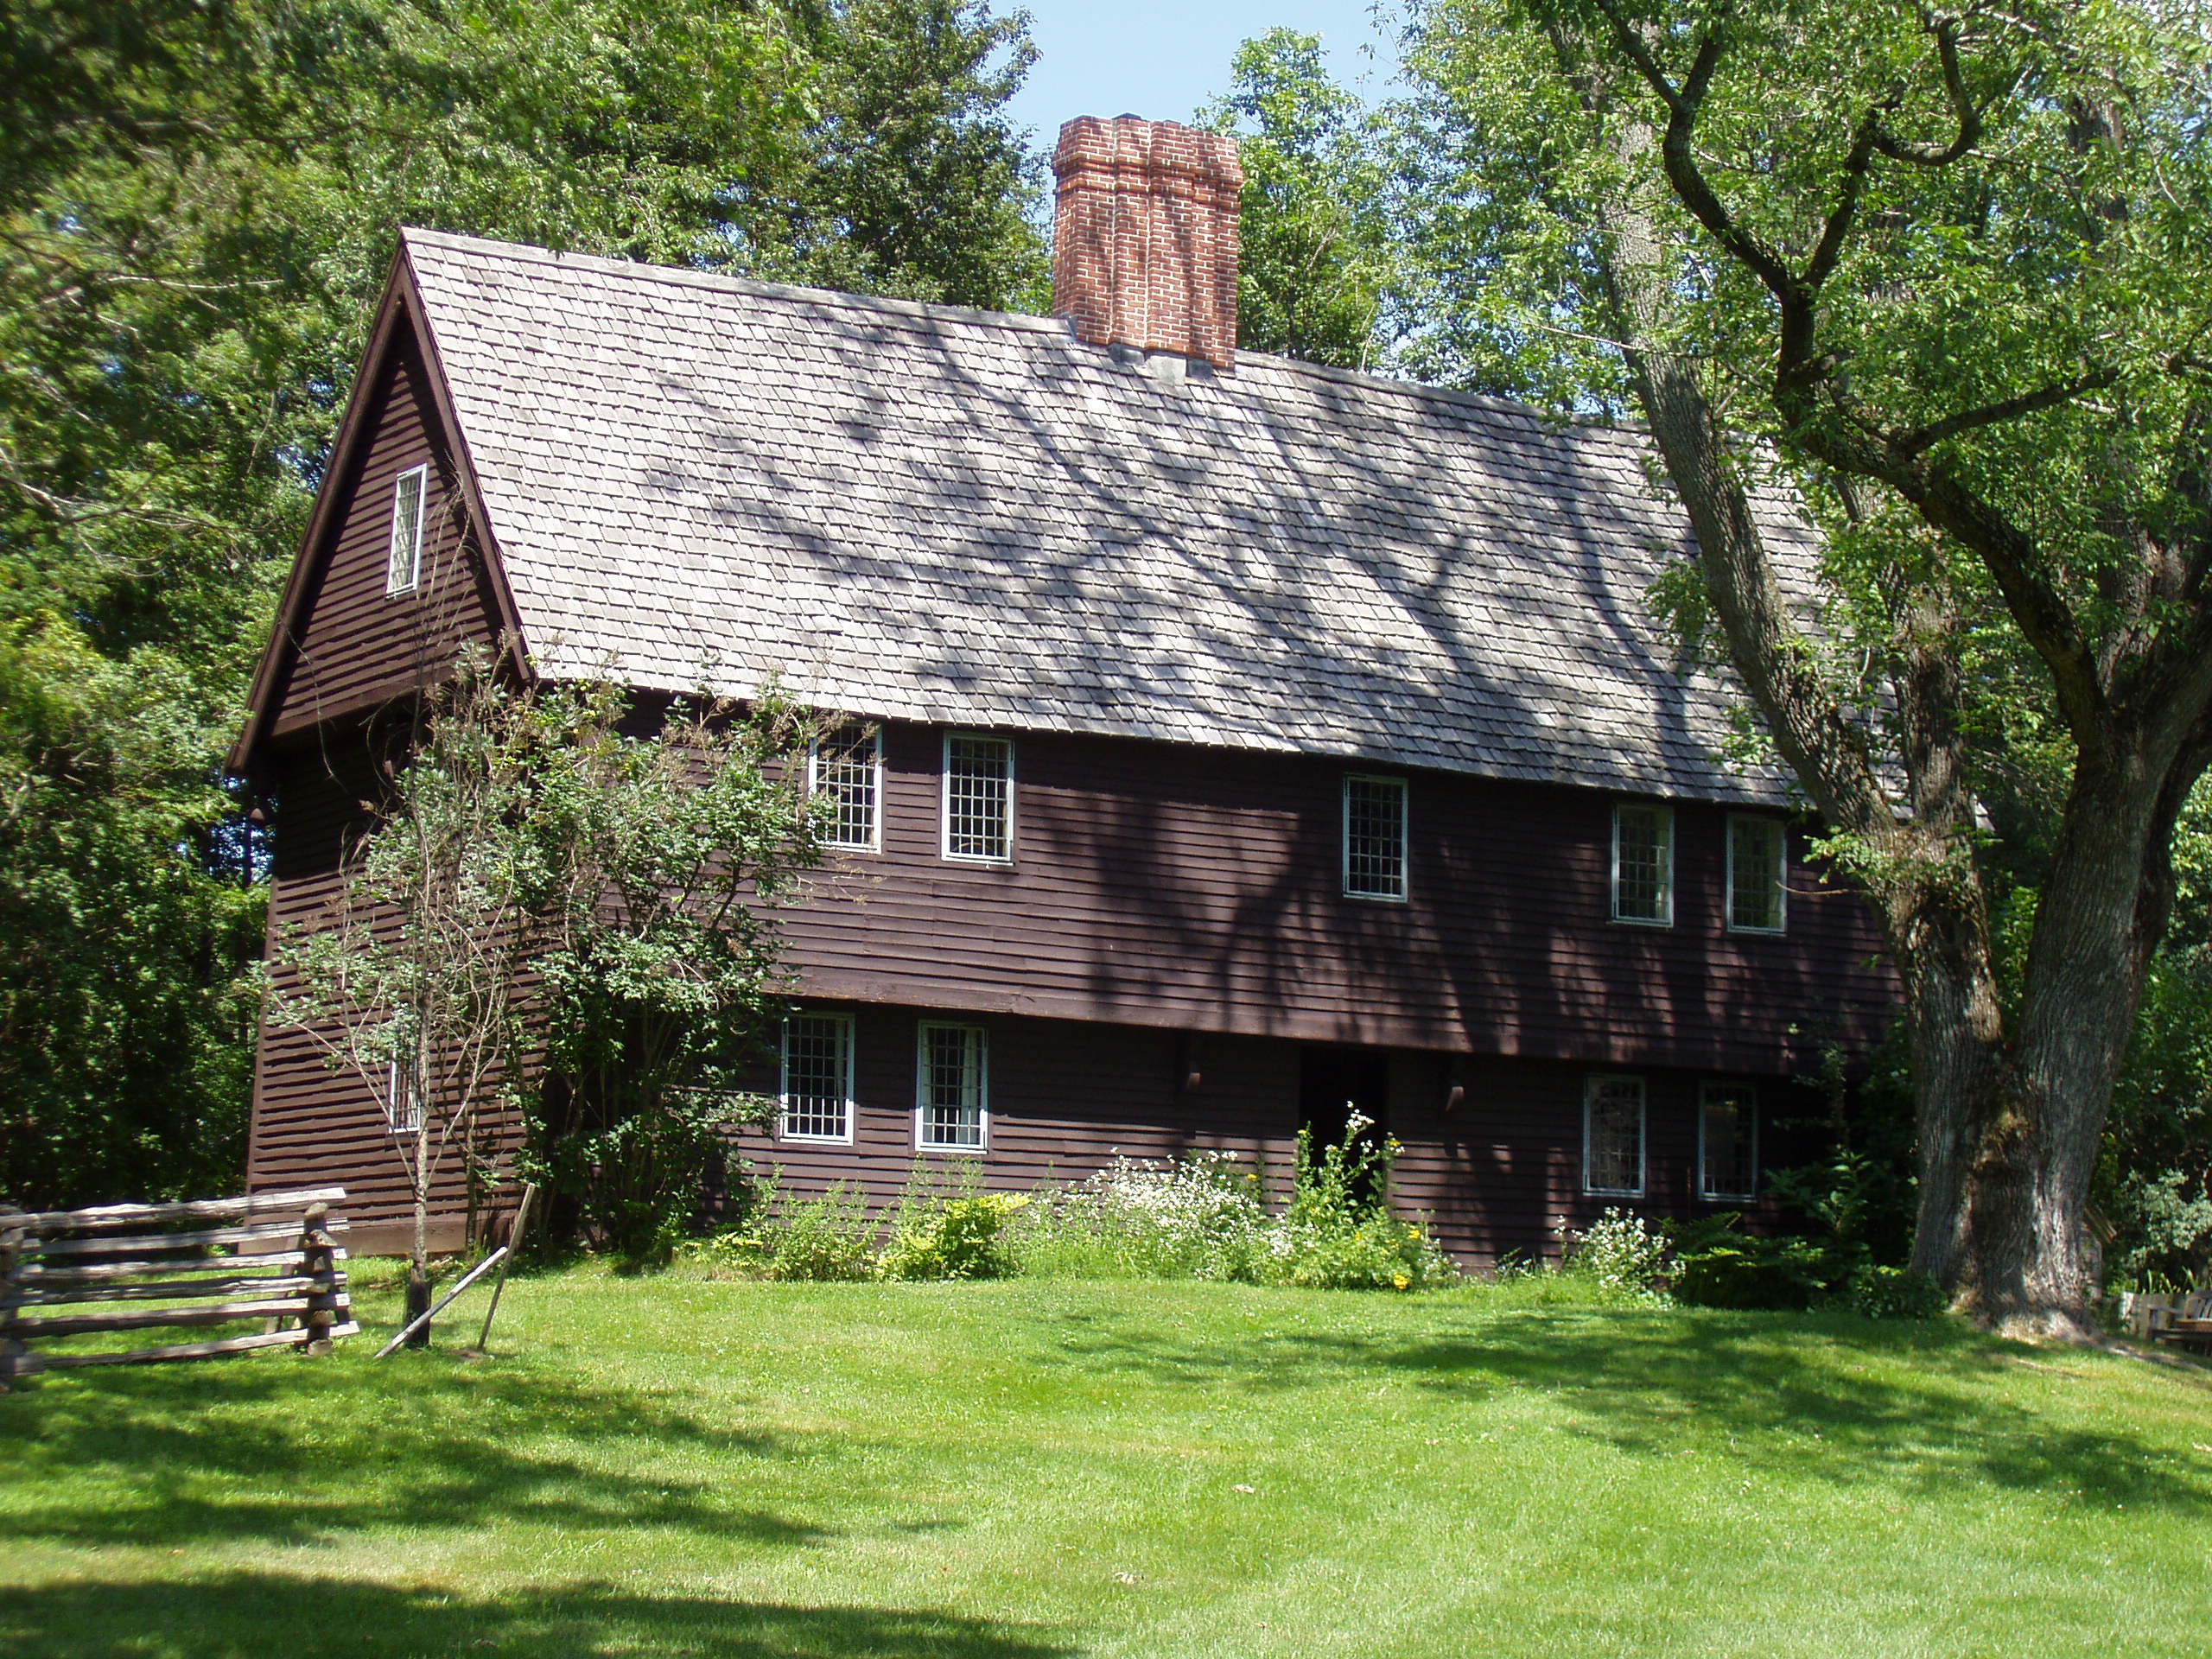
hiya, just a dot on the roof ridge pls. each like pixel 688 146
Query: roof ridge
pixel 934 311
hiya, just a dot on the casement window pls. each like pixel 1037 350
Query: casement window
pixel 403 569
pixel 1612 1136
pixel 846 766
pixel 1643 864
pixel 817 1085
pixel 1375 837
pixel 950 1105
pixel 978 799
pixel 402 1101
pixel 1727 1141
pixel 1758 867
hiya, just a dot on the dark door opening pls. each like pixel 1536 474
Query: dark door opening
pixel 1332 1084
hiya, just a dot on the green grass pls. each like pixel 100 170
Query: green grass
pixel 676 1466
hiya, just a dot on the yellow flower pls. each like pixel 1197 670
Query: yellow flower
pixel 1398 1281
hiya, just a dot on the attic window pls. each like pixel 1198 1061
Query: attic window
pixel 404 568
pixel 1375 837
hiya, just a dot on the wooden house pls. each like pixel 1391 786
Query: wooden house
pixel 1248 737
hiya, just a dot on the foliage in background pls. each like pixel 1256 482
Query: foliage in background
pixel 1317 261
pixel 946 1226
pixel 198 203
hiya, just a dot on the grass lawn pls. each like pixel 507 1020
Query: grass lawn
pixel 1016 1470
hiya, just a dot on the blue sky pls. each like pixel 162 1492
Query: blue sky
pixel 1162 60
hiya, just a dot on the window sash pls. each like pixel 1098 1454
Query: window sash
pixel 1759 856
pixel 950 1088
pixel 1643 865
pixel 815 1092
pixel 1727 1141
pixel 403 563
pixel 1612 1136
pixel 847 767
pixel 1375 837
pixel 978 799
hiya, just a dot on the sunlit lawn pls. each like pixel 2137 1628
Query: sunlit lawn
pixel 1009 1471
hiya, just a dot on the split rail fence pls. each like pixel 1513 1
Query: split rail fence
pixel 272 1257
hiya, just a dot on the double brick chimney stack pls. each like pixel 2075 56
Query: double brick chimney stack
pixel 1144 238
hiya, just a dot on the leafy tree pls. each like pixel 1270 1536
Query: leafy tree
pixel 198 203
pixel 1943 271
pixel 1318 260
pixel 562 908
pixel 655 860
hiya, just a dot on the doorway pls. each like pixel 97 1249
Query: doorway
pixel 1332 1084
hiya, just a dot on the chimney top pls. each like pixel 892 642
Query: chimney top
pixel 1144 241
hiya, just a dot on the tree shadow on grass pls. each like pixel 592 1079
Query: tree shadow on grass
pixel 223 1617
pixel 291 1451
pixel 1919 1407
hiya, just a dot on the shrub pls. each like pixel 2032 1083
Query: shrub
pixel 1339 1233
pixel 955 1234
pixel 826 1238
pixel 1616 1252
pixel 1199 1216
pixel 1882 1293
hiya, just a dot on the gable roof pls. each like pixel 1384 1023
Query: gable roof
pixel 921 512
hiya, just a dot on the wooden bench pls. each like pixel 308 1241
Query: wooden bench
pixel 273 1258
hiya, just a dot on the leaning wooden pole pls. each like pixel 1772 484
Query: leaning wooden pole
pixel 514 1243
pixel 430 1313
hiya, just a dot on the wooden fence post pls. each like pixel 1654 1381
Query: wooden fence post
pixel 319 1263
pixel 11 1296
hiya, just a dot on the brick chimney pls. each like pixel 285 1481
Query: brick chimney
pixel 1144 241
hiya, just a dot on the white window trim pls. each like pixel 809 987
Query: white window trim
pixel 400 1094
pixel 1643 1134
pixel 1667 813
pixel 875 844
pixel 944 803
pixel 1709 1195
pixel 922 1030
pixel 1782 881
pixel 1404 838
pixel 784 1131
pixel 393 588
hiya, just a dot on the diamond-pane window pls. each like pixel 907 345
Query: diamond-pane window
pixel 1757 854
pixel 1375 837
pixel 950 1103
pixel 848 770
pixel 978 797
pixel 1643 864
pixel 817 1091
pixel 1728 1141
pixel 405 567
pixel 1612 1136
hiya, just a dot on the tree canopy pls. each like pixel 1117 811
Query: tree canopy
pixel 199 199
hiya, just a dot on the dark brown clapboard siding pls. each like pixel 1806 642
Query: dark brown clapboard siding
pixel 357 646
pixel 1165 886
pixel 1498 1174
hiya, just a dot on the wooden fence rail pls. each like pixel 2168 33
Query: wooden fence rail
pixel 77 1260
